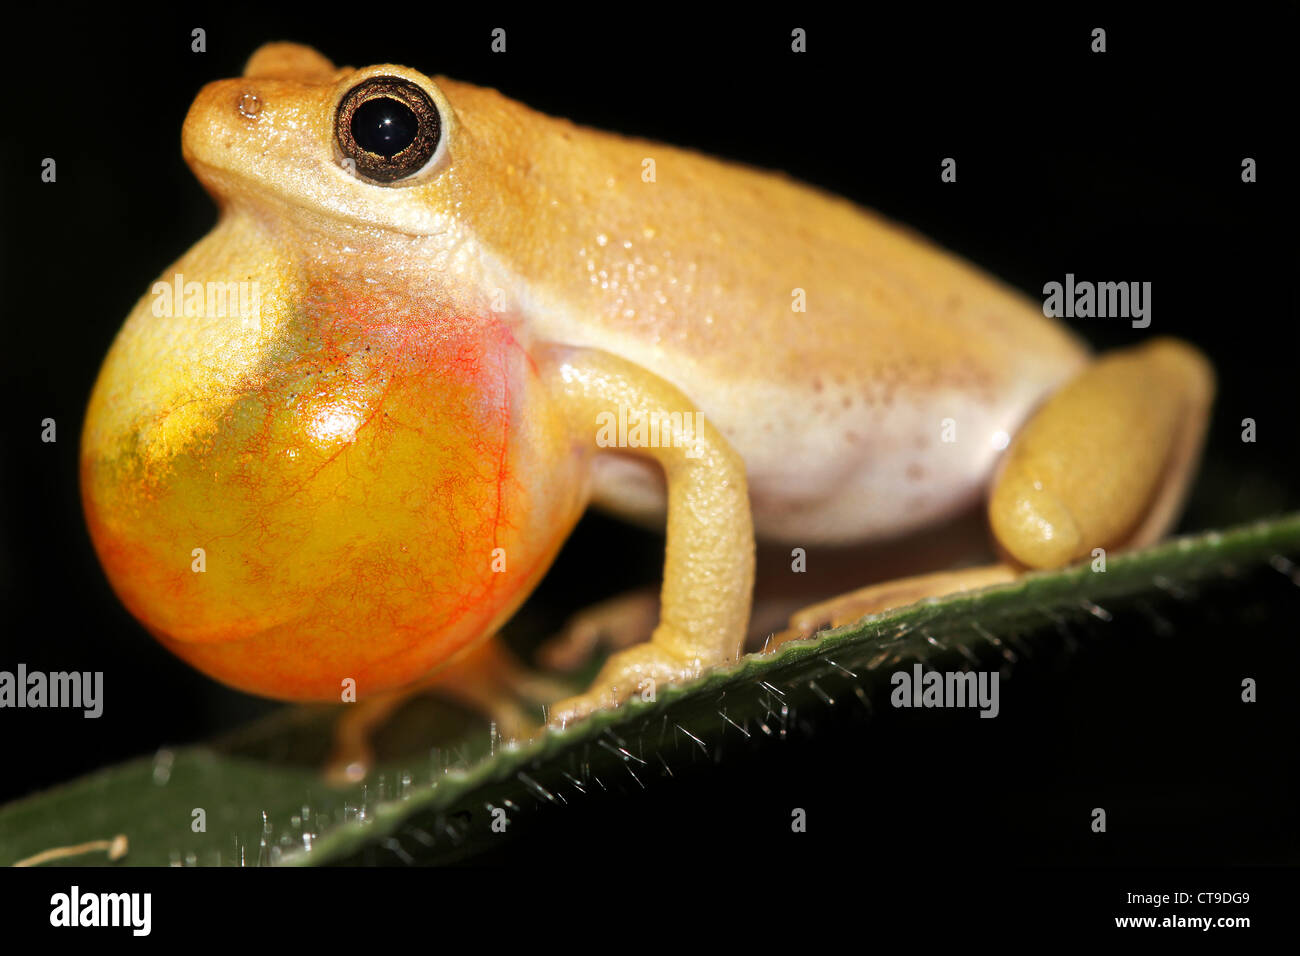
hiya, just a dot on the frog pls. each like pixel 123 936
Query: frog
pixel 475 321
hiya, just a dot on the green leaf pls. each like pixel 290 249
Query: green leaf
pixel 442 775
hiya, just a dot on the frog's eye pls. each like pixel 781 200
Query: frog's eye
pixel 389 127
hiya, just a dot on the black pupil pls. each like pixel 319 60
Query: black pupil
pixel 384 126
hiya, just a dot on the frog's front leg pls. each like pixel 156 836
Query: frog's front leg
pixel 709 561
pixel 487 679
pixel 614 624
pixel 1106 463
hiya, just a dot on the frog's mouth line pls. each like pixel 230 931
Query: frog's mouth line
pixel 229 186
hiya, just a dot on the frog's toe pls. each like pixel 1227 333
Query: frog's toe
pixel 638 671
pixel 886 596
pixel 353 756
pixel 573 709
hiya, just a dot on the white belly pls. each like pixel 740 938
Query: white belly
pixel 826 471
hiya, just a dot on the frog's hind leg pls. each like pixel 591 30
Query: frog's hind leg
pixel 1108 460
pixel 1106 463
pixel 488 680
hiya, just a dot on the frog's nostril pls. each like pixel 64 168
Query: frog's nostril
pixel 249 105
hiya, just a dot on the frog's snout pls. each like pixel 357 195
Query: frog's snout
pixel 263 131
pixel 236 121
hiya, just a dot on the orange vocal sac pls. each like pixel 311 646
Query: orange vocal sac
pixel 353 502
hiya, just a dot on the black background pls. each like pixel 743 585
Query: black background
pixel 1117 166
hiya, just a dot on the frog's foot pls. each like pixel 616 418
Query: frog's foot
pixel 887 595
pixel 637 671
pixel 488 681
pixel 621 622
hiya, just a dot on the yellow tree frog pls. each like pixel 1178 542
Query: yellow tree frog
pixel 473 320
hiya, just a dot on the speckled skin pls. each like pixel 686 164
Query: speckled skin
pixel 836 410
pixel 383 468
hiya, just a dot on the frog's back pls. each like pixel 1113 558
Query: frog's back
pixel 695 268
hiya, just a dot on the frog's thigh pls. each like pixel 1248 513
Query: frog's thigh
pixel 709 560
pixel 1105 463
